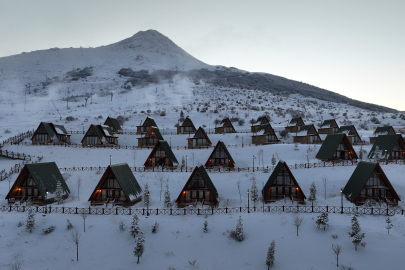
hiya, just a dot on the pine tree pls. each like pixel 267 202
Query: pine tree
pixel 183 162
pixel 322 221
pixel 146 194
pixel 389 224
pixel 239 230
pixel 355 233
pixel 140 246
pixel 270 255
pixel 181 114
pixel 58 192
pixel 273 160
pixel 30 225
pixel 205 229
pixel 167 201
pixel 296 147
pixel 361 153
pixel 312 193
pixel 254 197
pixel 134 228
pixel 377 154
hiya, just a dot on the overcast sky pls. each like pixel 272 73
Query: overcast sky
pixel 355 48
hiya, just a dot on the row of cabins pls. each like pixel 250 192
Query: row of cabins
pixel 39 183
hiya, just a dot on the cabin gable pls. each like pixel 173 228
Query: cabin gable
pixel 200 139
pixel 161 155
pixel 220 156
pixel 336 147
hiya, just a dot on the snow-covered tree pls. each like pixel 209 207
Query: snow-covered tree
pixel 155 227
pixel 58 192
pixel 69 225
pixel 30 225
pixel 205 229
pixel 361 153
pixel 322 220
pixel 167 201
pixel 134 228
pixel 312 193
pixel 273 160
pixel 139 246
pixel 377 154
pixel 270 255
pixel 355 232
pixel 239 230
pixel 254 197
pixel 298 220
pixel 389 224
pixel 296 147
pixel 146 194
pixel 337 249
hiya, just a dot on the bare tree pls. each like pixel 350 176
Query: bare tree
pixel 84 216
pixel 75 238
pixel 161 178
pixel 134 156
pixel 298 220
pixel 325 182
pixel 79 185
pixel 18 265
pixel 240 195
pixel 337 249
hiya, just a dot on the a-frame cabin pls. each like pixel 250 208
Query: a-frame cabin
pixel 151 137
pixel 262 120
pixel 369 182
pixel 99 135
pixel 187 127
pixel 282 185
pixel 351 133
pixel 50 133
pixel 37 183
pixel 387 130
pixel 336 147
pixel 265 135
pixel 198 189
pixel 225 127
pixel 329 126
pixel 200 139
pixel 118 185
pixel 220 156
pixel 307 134
pixel 294 124
pixel 391 147
pixel 114 125
pixel 161 155
pixel 149 122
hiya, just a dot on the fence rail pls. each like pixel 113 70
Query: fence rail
pixel 17 138
pixel 205 211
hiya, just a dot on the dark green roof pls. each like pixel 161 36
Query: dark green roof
pixel 385 129
pixel 168 151
pixel 327 122
pixel 263 127
pixel 274 174
pixel 46 175
pixel 127 180
pixel 295 120
pixel 99 131
pixel 226 151
pixel 205 134
pixel 358 179
pixel 329 146
pixel 115 123
pixel 191 122
pixel 62 128
pixel 345 128
pixel 207 180
pixel 385 142
pixel 49 129
pixel 152 121
pixel 157 133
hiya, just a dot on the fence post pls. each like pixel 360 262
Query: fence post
pixel 76 210
pixel 157 211
pixel 143 211
pixel 116 211
pixel 312 208
pixel 184 211
pixel 198 211
pixel 372 210
pixel 103 210
pixel 283 208
pixel 254 208
pixel 226 210
pixel 327 209
pixel 171 211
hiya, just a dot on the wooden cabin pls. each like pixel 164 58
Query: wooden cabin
pixel 387 130
pixel 161 155
pixel 369 182
pixel 198 189
pixel 391 147
pixel 151 137
pixel 265 135
pixel 200 139
pixel 307 134
pixel 220 156
pixel 187 127
pixel 351 133
pixel 50 133
pixel 262 120
pixel 99 135
pixel 149 122
pixel 37 183
pixel 294 124
pixel 336 147
pixel 118 185
pixel 114 125
pixel 225 127
pixel 328 127
pixel 282 185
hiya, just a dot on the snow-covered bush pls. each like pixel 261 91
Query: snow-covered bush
pixel 49 229
pixel 322 220
pixel 30 224
pixel 139 246
pixel 134 228
pixel 69 225
pixel 270 255
pixel 122 226
pixel 155 227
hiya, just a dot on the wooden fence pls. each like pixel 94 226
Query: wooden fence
pixel 206 211
pixel 17 138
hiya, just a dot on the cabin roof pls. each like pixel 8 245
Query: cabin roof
pixel 226 150
pixel 386 142
pixel 294 120
pixel 303 130
pixel 327 123
pixel 157 133
pixel 345 129
pixel 115 123
pixel 330 145
pixel 191 122
pixel 204 133
pixel 383 130
pixel 168 151
pixel 224 120
pixel 127 180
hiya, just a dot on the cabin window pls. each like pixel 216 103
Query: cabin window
pixel 91 140
pixel 187 196
pixel 207 196
pixel 187 129
pixel 41 138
